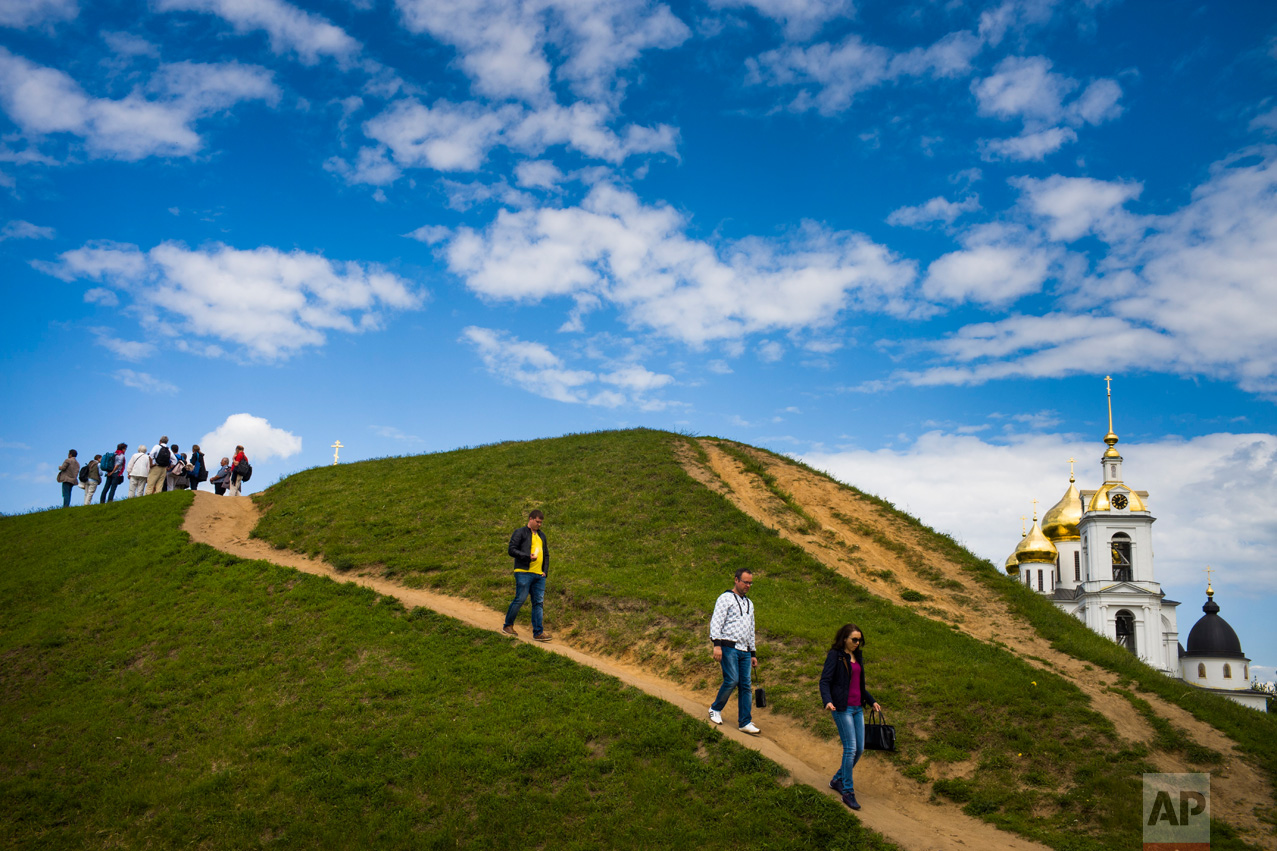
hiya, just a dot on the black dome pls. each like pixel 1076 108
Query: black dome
pixel 1212 636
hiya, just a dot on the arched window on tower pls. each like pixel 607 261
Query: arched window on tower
pixel 1077 566
pixel 1201 670
pixel 1126 630
pixel 1228 671
pixel 1121 548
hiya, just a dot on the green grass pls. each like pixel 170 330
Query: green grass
pixel 638 553
pixel 156 693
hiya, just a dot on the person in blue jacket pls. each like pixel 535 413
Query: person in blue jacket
pixel 842 688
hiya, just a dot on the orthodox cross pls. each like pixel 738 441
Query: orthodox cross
pixel 1070 469
pixel 1209 570
pixel 1035 511
pixel 336 448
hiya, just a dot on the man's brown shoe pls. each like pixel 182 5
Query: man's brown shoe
pixel 541 636
pixel 509 630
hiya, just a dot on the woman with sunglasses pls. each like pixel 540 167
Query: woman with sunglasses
pixel 842 688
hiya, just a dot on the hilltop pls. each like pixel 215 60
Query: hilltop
pixel 1005 707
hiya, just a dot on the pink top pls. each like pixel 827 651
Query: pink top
pixel 853 691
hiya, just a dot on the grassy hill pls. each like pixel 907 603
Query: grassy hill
pixel 176 694
pixel 158 693
pixel 639 551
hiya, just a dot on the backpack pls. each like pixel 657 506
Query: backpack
pixel 163 458
pixel 244 470
pixel 84 474
pixel 201 471
pixel 108 463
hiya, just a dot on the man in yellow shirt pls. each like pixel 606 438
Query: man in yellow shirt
pixel 531 557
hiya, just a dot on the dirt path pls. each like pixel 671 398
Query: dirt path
pixel 895 806
pixel 861 541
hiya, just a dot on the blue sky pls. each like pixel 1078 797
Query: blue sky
pixel 904 242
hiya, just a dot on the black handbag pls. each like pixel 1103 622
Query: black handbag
pixel 760 697
pixel 879 735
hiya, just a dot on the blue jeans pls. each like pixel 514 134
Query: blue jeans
pixel 737 666
pixel 67 487
pixel 525 584
pixel 851 730
pixel 108 489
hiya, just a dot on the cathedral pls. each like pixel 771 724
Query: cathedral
pixel 1092 555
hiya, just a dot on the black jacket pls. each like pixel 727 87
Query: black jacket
pixel 835 681
pixel 521 550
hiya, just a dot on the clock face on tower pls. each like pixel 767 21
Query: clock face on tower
pixel 1119 501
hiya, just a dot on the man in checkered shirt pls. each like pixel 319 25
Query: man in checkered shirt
pixel 731 631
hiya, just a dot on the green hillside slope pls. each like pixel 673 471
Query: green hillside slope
pixel 639 551
pixel 160 694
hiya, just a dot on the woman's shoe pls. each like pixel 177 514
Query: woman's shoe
pixel 849 798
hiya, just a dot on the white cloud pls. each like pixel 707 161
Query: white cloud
pixel 290 29
pixel 1076 206
pixel 830 76
pixel 504 45
pixel 154 122
pixel 24 14
pixel 532 367
pixel 102 296
pixel 269 302
pixel 936 210
pixel 145 382
pixel 637 257
pixel 1192 292
pixel 998 265
pixel 128 44
pixel 18 229
pixel 1025 88
pixel 800 18
pixel 770 351
pixel 261 441
pixel 538 174
pixel 392 433
pixel 130 350
pixel 1028 146
pixel 458 137
pixel 1192 484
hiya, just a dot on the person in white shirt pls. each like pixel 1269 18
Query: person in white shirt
pixel 138 469
pixel 731 631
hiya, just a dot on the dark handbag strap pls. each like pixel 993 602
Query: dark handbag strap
pixel 875 717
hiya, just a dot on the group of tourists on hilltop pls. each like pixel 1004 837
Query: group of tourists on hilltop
pixel 162 468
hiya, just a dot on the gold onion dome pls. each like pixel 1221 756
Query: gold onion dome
pixel 1013 564
pixel 1060 523
pixel 1036 548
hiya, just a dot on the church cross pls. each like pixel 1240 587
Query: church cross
pixel 1209 570
pixel 1035 511
pixel 336 448
pixel 1070 469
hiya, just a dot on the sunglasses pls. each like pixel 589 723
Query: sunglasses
pixel 857 641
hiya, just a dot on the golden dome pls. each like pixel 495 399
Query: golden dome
pixel 1013 565
pixel 1036 548
pixel 1061 522
pixel 1100 499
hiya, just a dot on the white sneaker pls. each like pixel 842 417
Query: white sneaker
pixel 715 715
pixel 750 728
